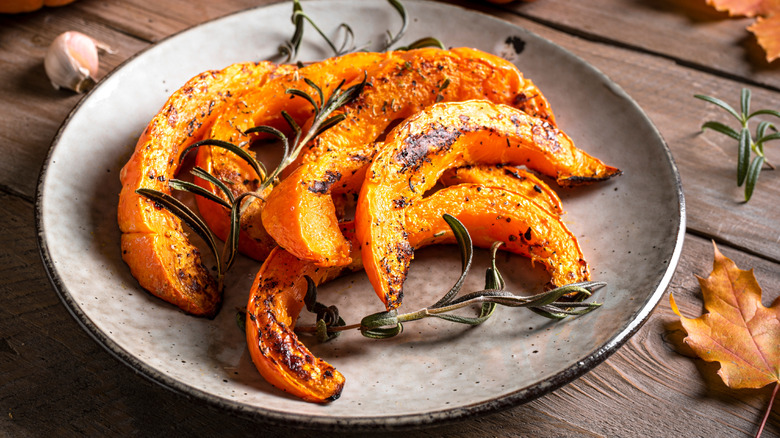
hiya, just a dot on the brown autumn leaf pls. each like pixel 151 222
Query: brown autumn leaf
pixel 743 8
pixel 767 26
pixel 737 331
pixel 767 32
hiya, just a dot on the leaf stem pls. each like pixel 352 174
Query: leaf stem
pixel 768 410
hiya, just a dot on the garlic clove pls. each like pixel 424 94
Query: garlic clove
pixel 72 62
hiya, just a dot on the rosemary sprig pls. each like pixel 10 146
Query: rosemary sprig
pixel 388 324
pixel 322 121
pixel 180 210
pixel 289 49
pixel 747 170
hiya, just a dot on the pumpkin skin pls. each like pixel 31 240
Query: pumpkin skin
pixel 277 294
pixel 154 244
pixel 447 135
pixel 19 6
pixel 299 213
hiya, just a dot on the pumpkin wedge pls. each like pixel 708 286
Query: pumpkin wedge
pixel 299 213
pixel 447 135
pixel 275 301
pixel 264 106
pixel 512 178
pixel 496 215
pixel 490 215
pixel 154 244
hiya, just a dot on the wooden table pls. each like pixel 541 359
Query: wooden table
pixel 54 379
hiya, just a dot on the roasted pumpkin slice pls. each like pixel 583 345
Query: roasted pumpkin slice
pixel 443 136
pixel 264 106
pixel 154 244
pixel 300 215
pixel 512 178
pixel 275 301
pixel 497 215
pixel 490 215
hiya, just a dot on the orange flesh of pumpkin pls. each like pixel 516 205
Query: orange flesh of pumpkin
pixel 490 215
pixel 299 213
pixel 511 178
pixel 154 244
pixel 443 136
pixel 264 106
pixel 496 215
pixel 275 301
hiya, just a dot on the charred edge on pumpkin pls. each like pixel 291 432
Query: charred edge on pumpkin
pixel 515 174
pixel 418 147
pixel 577 180
pixel 285 347
pixel 323 186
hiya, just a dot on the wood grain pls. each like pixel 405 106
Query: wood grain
pixel 687 31
pixel 55 380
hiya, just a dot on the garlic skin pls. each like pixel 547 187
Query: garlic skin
pixel 72 62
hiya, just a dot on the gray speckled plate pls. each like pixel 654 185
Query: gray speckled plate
pixel 631 230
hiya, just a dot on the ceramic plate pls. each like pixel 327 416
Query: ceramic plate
pixel 630 229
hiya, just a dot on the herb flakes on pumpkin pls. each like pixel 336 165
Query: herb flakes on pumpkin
pixel 737 330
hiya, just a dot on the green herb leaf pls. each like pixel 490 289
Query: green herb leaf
pixel 310 300
pixel 243 154
pixel 466 252
pixel 241 319
pixel 743 155
pixel 761 130
pixel 766 138
pixel 392 39
pixel 203 174
pixel 230 249
pixel 767 112
pixel 298 132
pixel 424 42
pixel 752 176
pixel 720 127
pixel 745 104
pixel 747 170
pixel 720 103
pixel 178 209
pixel 493 280
pixel 305 95
pixel 186 186
pixel 290 48
pixel 329 123
pixel 375 326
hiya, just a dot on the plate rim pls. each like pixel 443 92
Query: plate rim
pixel 393 422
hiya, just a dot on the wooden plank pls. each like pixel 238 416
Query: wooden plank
pixel 153 21
pixel 653 380
pixel 32 109
pixel 687 31
pixel 55 380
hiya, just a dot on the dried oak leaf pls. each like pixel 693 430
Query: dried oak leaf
pixel 737 331
pixel 767 26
